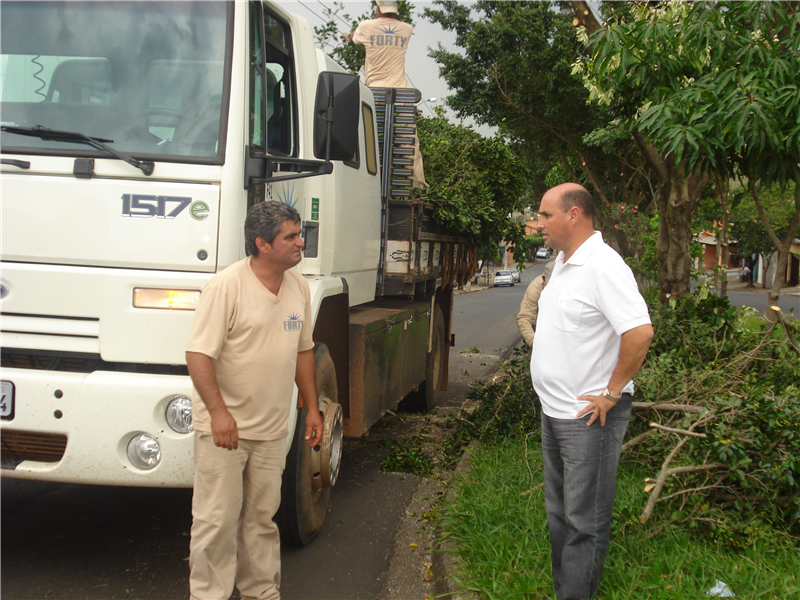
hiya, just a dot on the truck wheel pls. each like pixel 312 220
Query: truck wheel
pixel 311 472
pixel 425 398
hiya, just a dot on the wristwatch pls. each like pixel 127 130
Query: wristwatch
pixel 607 395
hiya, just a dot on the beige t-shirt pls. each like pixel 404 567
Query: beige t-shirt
pixel 253 338
pixel 386 42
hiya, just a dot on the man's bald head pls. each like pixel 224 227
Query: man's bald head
pixel 574 194
pixel 566 217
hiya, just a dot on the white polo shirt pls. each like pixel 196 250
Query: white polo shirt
pixel 588 303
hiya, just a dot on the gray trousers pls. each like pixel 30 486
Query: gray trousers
pixel 580 471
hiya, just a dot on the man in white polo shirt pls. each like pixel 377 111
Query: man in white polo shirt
pixel 592 334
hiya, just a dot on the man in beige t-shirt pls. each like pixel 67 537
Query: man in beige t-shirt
pixel 386 42
pixel 386 39
pixel 249 343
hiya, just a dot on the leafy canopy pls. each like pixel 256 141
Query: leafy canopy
pixel 708 83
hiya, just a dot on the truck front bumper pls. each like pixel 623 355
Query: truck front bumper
pixel 76 427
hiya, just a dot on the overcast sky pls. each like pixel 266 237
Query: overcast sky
pixel 421 70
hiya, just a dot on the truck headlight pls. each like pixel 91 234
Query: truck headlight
pixel 165 299
pixel 179 414
pixel 144 451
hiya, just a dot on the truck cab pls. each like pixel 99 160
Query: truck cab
pixel 135 136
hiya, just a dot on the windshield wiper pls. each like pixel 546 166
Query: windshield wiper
pixel 57 135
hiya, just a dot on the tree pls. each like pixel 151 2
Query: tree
pixel 476 183
pixel 706 87
pixel 748 228
pixel 515 73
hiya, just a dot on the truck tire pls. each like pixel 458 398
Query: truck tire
pixel 311 472
pixel 425 398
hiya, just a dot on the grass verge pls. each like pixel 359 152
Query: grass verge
pixel 495 514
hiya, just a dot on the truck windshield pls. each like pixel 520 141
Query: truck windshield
pixel 148 75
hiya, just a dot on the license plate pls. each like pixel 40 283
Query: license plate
pixel 7 400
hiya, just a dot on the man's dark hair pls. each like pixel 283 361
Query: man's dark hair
pixel 580 198
pixel 264 220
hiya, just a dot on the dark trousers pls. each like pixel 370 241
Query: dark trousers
pixel 580 471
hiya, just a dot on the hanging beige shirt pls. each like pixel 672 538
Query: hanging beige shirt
pixel 386 42
pixel 252 337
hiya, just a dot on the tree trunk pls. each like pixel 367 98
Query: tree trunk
pixel 722 192
pixel 673 246
pixel 584 16
pixel 677 200
pixel 783 247
pixel 777 283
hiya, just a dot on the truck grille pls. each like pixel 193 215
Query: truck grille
pixel 19 360
pixel 74 362
pixel 16 446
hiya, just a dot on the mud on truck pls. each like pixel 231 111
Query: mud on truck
pixel 135 135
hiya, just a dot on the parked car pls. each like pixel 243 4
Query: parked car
pixel 515 274
pixel 543 252
pixel 503 278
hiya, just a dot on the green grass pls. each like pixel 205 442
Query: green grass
pixel 495 514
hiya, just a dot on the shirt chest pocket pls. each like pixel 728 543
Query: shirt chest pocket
pixel 568 315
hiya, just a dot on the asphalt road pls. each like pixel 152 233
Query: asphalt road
pixel 72 542
pixel 756 297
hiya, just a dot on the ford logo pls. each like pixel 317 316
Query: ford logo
pixel 3 291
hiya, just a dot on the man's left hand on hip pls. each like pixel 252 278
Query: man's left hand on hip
pixel 598 406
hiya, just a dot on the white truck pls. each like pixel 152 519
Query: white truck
pixel 135 135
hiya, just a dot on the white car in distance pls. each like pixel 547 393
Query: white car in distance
pixel 503 278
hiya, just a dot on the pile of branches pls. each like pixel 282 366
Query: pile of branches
pixel 718 419
pixel 506 407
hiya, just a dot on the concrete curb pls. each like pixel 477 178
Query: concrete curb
pixel 445 564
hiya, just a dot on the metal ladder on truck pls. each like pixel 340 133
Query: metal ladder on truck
pixel 416 252
pixel 396 115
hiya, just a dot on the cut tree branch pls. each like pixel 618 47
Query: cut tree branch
pixel 638 439
pixel 702 436
pixel 662 478
pixel 687 408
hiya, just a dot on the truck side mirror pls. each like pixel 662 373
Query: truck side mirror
pixel 336 116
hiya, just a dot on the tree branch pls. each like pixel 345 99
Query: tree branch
pixel 702 436
pixel 652 156
pixel 662 478
pixel 760 208
pixel 687 408
pixel 584 16
pixel 785 323
pixel 637 440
